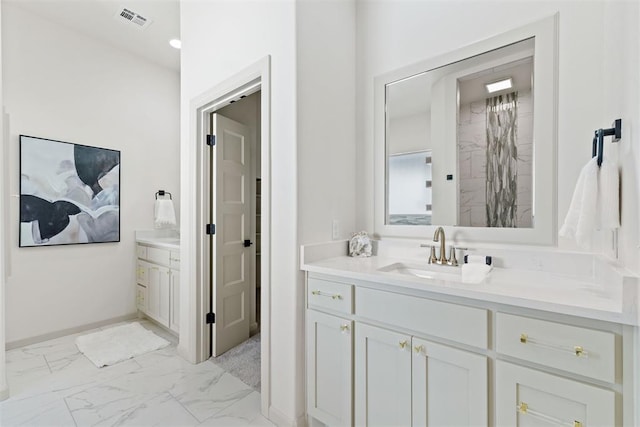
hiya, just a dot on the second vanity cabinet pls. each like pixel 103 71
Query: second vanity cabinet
pixel 158 285
pixel 381 356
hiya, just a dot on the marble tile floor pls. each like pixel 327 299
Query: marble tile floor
pixel 52 384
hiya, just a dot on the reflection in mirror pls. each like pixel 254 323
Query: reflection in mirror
pixel 459 142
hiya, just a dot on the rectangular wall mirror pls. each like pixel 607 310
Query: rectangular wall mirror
pixel 467 140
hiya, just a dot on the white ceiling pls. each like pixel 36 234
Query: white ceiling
pixel 97 19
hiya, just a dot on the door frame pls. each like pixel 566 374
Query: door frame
pixel 194 333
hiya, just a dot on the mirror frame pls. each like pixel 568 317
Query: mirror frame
pixel 545 131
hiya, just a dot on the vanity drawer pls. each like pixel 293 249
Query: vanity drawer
pixel 326 294
pixel 467 325
pixel 158 256
pixel 141 251
pixel 142 273
pixel 579 350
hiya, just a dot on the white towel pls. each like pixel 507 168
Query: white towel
pixel 609 196
pixel 581 217
pixel 164 213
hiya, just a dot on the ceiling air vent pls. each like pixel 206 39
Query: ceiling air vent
pixel 130 16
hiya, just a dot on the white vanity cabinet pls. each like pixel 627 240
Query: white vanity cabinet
pixel 388 375
pixel 382 355
pixel 158 285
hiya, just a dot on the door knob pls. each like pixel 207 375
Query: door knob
pixel 247 243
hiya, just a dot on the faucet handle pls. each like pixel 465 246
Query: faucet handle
pixel 452 255
pixel 432 256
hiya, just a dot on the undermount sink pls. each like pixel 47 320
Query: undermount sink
pixel 424 271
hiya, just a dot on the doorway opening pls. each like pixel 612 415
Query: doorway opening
pixel 235 208
pixel 231 285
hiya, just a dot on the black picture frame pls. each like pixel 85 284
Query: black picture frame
pixel 69 193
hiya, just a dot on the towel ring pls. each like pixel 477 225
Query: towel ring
pixel 163 193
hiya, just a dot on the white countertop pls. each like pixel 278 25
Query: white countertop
pixel 161 242
pixel 614 301
pixel 166 238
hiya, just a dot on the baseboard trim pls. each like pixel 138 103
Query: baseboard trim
pixel 281 420
pixel 57 334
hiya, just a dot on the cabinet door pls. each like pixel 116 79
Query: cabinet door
pixel 158 293
pixel 383 377
pixel 329 368
pixel 449 386
pixel 526 397
pixel 174 315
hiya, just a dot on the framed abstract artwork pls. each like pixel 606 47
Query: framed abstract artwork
pixel 69 193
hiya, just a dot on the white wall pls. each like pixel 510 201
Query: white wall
pixel 326 118
pixel 592 93
pixel 65 86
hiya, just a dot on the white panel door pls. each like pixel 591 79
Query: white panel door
pixel 233 262
pixel 449 386
pixel 329 368
pixel 526 397
pixel 174 314
pixel 383 377
pixel 158 293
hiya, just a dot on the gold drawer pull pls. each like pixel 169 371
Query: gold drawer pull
pixel 403 344
pixel 576 350
pixel 344 328
pixel 419 349
pixel 523 408
pixel 324 294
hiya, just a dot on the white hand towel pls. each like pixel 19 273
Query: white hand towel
pixel 609 195
pixel 581 217
pixel 164 213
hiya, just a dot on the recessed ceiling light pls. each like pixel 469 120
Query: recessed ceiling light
pixel 499 85
pixel 175 43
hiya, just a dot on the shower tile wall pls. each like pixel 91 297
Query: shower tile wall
pixel 472 158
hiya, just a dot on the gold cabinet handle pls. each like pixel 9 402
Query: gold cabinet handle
pixel 523 408
pixel 403 344
pixel 576 350
pixel 344 328
pixel 419 349
pixel 324 294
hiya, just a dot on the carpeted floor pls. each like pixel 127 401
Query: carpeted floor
pixel 243 362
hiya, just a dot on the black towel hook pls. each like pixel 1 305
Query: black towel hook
pixel 598 139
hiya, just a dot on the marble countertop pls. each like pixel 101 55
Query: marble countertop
pixel 613 299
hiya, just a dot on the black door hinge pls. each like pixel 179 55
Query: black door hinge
pixel 211 318
pixel 211 140
pixel 211 229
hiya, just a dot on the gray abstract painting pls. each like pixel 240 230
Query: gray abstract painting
pixel 502 160
pixel 69 193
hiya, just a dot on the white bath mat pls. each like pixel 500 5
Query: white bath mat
pixel 119 343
